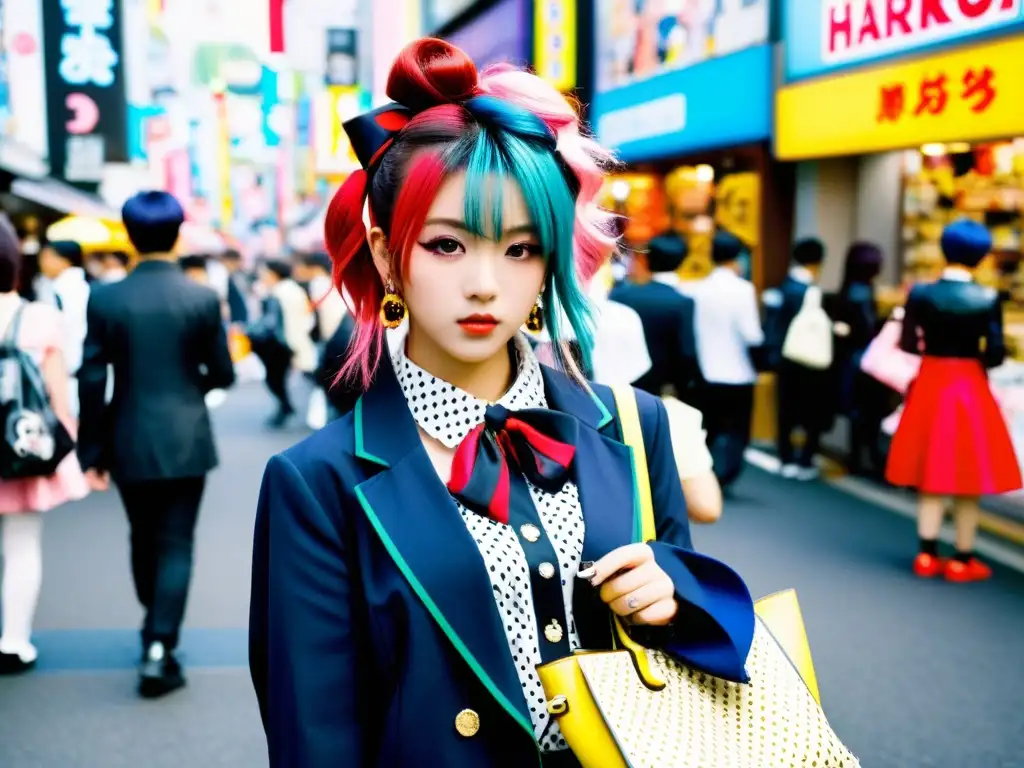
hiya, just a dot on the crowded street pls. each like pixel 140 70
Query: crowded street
pixel 511 384
pixel 906 667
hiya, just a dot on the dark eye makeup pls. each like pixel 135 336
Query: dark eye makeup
pixel 446 246
pixel 449 246
pixel 524 250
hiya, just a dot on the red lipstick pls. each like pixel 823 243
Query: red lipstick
pixel 479 325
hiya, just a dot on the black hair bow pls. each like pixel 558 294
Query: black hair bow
pixel 372 132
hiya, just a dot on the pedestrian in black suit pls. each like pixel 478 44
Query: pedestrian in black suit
pixel 667 316
pixel 162 334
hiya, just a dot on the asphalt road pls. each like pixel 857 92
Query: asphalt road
pixel 913 674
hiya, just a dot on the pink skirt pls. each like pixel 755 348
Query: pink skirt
pixel 41 494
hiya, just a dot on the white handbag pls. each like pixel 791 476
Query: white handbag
pixel 809 338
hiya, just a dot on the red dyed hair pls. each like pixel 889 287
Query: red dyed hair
pixel 427 74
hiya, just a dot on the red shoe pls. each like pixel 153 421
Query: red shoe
pixel 928 566
pixel 961 573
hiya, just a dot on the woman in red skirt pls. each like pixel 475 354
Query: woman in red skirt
pixel 952 439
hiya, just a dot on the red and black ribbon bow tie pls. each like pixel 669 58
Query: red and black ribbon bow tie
pixel 539 444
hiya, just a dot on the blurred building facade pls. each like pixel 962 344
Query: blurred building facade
pixel 683 93
pixel 875 120
pixel 902 117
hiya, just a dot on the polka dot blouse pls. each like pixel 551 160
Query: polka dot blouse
pixel 447 414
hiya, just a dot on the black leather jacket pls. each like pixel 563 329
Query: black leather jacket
pixel 952 318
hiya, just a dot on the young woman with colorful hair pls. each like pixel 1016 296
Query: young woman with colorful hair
pixel 473 516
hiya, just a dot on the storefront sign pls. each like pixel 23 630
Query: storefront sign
pixel 342 66
pixel 966 95
pixel 479 40
pixel 270 107
pixel 554 42
pixel 643 38
pixel 824 35
pixel 437 13
pixel 690 110
pixel 5 91
pixel 87 112
pixel 21 41
pixel 334 154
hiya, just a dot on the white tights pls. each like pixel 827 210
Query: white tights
pixel 22 535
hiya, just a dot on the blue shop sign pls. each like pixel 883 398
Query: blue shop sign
pixel 718 103
pixel 828 35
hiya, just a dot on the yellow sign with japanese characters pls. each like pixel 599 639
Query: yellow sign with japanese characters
pixel 964 95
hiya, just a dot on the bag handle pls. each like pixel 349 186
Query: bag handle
pixel 812 298
pixel 10 338
pixel 633 437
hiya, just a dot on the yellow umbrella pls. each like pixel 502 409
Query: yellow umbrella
pixel 91 234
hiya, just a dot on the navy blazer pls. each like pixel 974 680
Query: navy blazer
pixel 669 330
pixel 955 318
pixel 373 622
pixel 781 305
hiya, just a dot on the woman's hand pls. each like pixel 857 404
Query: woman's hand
pixel 634 586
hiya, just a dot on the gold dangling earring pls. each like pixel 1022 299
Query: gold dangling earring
pixel 392 308
pixel 535 322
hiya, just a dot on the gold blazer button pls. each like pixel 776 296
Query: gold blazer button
pixel 467 723
pixel 553 632
pixel 530 532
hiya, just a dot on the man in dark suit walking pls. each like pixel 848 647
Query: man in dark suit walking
pixel 162 334
pixel 667 316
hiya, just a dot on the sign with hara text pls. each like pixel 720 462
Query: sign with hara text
pixel 825 35
pixel 87 111
pixel 965 95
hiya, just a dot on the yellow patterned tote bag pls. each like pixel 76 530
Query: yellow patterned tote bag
pixel 634 707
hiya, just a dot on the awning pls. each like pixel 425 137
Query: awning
pixel 19 160
pixel 62 197
pixel 91 234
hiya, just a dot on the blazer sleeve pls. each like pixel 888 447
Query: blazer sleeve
pixel 910 335
pixel 92 387
pixel 995 343
pixel 220 370
pixel 688 339
pixel 774 327
pixel 302 637
pixel 714 628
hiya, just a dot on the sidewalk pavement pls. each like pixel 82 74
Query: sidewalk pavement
pixel 1001 538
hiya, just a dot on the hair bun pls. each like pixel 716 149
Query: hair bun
pixel 429 72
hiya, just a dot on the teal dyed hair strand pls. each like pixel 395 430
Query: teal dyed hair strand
pixel 508 146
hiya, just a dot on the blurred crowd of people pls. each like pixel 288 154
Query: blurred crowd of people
pixel 912 387
pixel 133 352
pixel 130 354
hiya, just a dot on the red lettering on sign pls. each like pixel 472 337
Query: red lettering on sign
pixel 890 108
pixel 978 86
pixel 838 27
pixel 933 97
pixel 854 29
pixel 869 26
pixel 897 16
pixel 933 12
pixel 972 9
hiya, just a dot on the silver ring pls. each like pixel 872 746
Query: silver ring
pixel 632 603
